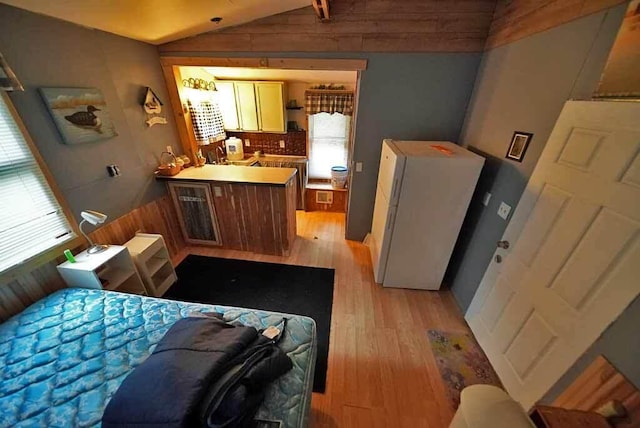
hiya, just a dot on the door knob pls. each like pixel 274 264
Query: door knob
pixel 503 244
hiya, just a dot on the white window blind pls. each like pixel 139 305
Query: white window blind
pixel 31 220
pixel 328 143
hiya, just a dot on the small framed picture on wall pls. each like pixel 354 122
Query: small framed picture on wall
pixel 518 147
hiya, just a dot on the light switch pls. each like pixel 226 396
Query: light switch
pixel 282 144
pixel 217 191
pixel 486 199
pixel 504 210
pixel 247 142
pixel 358 166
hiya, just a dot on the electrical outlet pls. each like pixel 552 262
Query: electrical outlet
pixel 282 144
pixel 486 199
pixel 247 142
pixel 504 210
pixel 358 166
pixel 170 149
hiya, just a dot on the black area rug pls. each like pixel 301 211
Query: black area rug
pixel 297 290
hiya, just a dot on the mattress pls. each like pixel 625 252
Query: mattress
pixel 63 358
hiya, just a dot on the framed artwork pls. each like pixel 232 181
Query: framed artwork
pixel 519 144
pixel 80 114
pixel 621 78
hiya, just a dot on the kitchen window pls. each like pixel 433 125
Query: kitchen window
pixel 32 220
pixel 328 143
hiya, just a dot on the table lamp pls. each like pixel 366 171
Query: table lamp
pixel 93 217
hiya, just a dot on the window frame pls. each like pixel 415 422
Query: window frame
pixel 347 146
pixel 54 252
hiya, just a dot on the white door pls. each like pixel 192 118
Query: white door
pixel 574 260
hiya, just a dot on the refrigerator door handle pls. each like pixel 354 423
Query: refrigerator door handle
pixel 395 189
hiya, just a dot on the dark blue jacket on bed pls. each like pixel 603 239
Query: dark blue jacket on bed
pixel 181 383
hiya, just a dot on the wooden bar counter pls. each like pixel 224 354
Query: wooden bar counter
pixel 237 207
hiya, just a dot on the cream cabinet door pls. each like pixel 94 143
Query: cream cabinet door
pixel 227 102
pixel 271 113
pixel 574 260
pixel 246 102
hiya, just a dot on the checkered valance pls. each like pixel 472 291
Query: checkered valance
pixel 206 118
pixel 318 102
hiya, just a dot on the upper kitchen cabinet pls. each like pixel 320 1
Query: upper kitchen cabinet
pixel 227 100
pixel 252 106
pixel 246 106
pixel 271 110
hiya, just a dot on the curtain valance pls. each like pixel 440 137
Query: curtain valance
pixel 318 102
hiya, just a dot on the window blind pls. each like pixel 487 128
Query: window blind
pixel 31 220
pixel 328 143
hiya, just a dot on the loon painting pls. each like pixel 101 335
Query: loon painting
pixel 80 114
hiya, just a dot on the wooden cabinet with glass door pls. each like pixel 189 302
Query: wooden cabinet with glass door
pixel 196 212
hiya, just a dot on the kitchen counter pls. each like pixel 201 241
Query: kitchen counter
pixel 237 207
pixel 235 174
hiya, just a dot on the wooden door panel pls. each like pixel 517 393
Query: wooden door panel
pixel 529 344
pixel 541 222
pixel 632 174
pixel 598 251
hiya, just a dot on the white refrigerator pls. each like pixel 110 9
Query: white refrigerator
pixel 424 190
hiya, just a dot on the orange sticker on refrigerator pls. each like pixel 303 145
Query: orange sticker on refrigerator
pixel 442 149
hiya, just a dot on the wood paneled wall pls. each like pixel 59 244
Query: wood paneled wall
pixel 516 19
pixel 155 217
pixel 357 26
pixel 599 384
pixel 258 218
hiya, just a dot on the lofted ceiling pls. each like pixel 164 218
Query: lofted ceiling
pixel 307 76
pixel 157 21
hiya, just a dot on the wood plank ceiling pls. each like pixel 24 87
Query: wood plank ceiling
pixel 358 26
pixel 395 26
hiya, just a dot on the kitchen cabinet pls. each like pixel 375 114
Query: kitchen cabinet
pixel 252 106
pixel 196 212
pixel 271 110
pixel 227 102
pixel 246 106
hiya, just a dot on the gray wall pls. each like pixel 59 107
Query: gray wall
pixel 523 86
pixel 402 96
pixel 45 52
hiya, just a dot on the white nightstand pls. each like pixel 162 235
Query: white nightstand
pixel 151 257
pixel 112 269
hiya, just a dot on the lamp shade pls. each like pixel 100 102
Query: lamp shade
pixel 93 217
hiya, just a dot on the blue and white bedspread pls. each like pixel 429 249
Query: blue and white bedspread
pixel 63 358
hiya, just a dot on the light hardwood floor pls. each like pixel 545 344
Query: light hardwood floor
pixel 381 369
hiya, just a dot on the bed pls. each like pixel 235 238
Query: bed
pixel 64 357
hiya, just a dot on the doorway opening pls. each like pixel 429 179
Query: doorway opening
pixel 277 124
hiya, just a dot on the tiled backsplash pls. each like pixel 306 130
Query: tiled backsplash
pixel 295 142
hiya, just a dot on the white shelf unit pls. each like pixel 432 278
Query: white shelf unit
pixel 151 257
pixel 111 269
